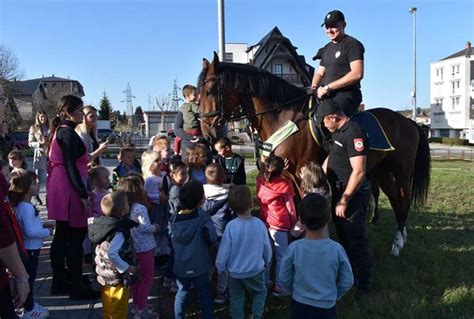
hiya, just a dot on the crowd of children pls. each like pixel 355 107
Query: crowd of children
pixel 193 218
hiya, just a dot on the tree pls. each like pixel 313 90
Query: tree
pixel 105 110
pixel 10 71
pixel 9 65
pixel 139 118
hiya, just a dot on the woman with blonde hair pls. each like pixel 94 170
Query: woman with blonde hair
pixel 87 131
pixel 38 139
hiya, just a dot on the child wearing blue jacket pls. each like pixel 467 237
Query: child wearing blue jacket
pixel 316 268
pixel 192 233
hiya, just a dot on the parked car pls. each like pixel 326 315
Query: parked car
pixel 104 134
pixel 19 140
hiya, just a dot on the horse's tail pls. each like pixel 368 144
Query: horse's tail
pixel 422 172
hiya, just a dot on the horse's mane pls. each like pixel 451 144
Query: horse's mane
pixel 252 81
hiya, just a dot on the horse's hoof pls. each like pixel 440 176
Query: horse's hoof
pixel 395 251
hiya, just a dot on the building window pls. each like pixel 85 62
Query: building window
pixel 54 85
pixel 457 68
pixel 458 84
pixel 439 102
pixel 439 73
pixel 454 69
pixel 457 100
pixel 229 57
pixel 279 69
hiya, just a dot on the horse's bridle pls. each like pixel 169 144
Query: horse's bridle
pixel 219 112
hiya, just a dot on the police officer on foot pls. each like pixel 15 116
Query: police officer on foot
pixel 345 168
pixel 341 67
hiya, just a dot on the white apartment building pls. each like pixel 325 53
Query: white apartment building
pixel 452 95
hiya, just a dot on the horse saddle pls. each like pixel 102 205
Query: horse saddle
pixel 369 124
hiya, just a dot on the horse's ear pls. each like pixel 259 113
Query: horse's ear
pixel 215 60
pixel 205 63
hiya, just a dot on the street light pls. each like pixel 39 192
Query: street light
pixel 412 11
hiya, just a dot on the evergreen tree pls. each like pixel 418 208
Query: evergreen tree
pixel 105 110
pixel 139 118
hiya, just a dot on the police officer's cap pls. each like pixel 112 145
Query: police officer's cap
pixel 333 17
pixel 328 107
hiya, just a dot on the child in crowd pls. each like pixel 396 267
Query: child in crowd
pixel 313 180
pixel 217 207
pixel 17 160
pixel 277 210
pixel 144 241
pixel 245 251
pixel 195 159
pixel 190 110
pixel 99 179
pixel 99 182
pixel 161 145
pixel 23 186
pixel 136 162
pixel 233 163
pixel 178 175
pixel 5 171
pixel 316 268
pixel 126 164
pixel 192 232
pixel 154 180
pixel 116 259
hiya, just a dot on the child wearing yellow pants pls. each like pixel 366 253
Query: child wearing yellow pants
pixel 116 258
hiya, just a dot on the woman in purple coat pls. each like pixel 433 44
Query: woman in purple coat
pixel 67 200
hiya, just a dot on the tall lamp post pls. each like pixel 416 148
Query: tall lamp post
pixel 412 11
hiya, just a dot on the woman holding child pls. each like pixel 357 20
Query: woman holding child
pixel 68 200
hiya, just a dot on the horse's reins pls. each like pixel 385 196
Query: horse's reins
pixel 220 109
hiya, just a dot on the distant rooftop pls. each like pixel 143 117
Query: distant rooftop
pixel 467 52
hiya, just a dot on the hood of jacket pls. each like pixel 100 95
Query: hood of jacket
pixel 100 228
pixel 185 230
pixel 269 191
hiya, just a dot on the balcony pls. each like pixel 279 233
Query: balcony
pixel 291 78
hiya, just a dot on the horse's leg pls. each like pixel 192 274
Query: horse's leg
pixel 376 194
pixel 387 182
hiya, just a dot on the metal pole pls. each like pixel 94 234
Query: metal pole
pixel 220 24
pixel 413 12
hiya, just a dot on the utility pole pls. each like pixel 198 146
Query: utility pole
pixel 175 98
pixel 221 29
pixel 129 105
pixel 412 11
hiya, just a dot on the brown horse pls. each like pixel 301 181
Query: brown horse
pixel 231 90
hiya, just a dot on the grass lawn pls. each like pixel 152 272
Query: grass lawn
pixel 434 275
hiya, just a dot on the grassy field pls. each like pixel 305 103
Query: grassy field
pixel 434 275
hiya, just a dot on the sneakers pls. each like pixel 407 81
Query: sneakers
pixel 38 311
pixel 279 291
pixel 220 298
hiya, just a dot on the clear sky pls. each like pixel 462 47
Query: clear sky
pixel 107 43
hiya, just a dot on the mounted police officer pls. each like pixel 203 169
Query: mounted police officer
pixel 341 67
pixel 345 168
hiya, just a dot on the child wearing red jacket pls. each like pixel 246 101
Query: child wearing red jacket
pixel 277 210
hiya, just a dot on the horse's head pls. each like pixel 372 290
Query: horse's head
pixel 212 91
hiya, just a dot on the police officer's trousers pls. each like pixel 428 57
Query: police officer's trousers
pixel 352 234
